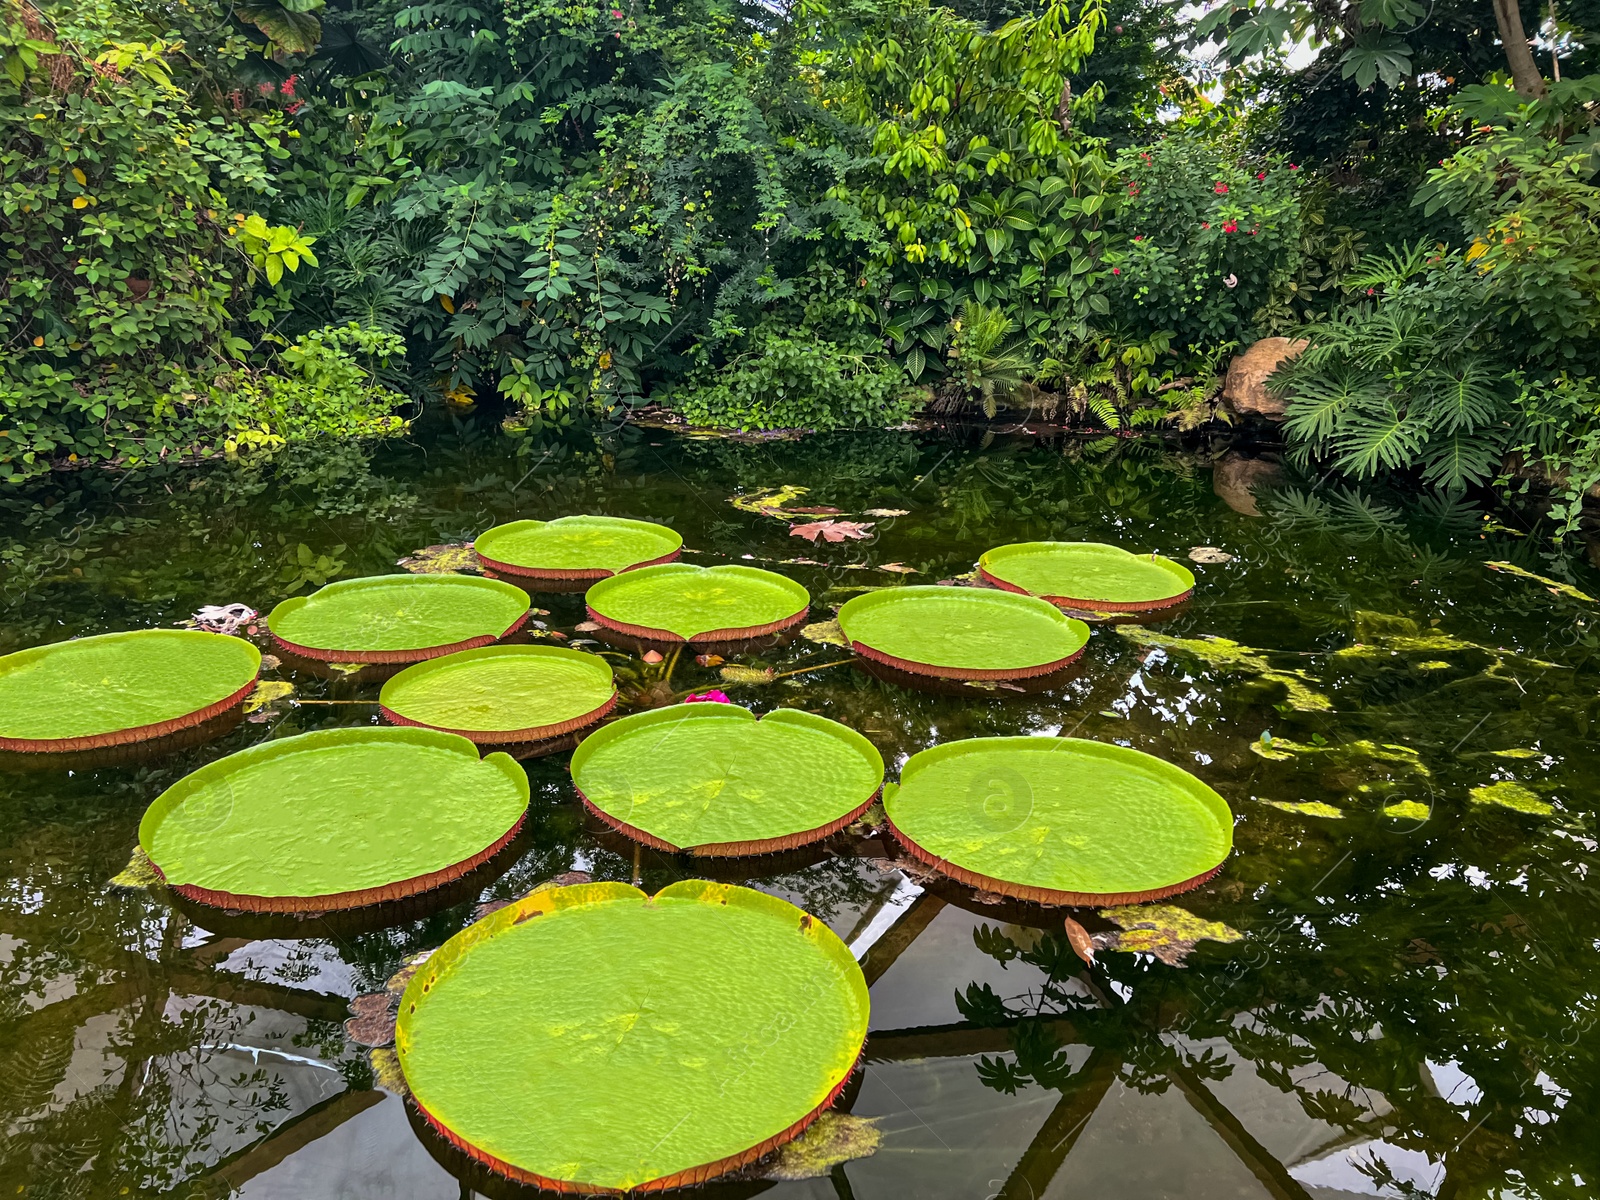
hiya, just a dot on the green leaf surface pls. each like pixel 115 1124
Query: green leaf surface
pixel 578 543
pixel 619 1039
pixel 1092 572
pixel 967 628
pixel 338 810
pixel 500 689
pixel 116 681
pixel 708 774
pixel 687 600
pixel 399 612
pixel 1063 814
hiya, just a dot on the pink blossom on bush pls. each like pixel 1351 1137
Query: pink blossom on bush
pixel 1221 188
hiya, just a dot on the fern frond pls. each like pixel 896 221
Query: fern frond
pixel 1104 411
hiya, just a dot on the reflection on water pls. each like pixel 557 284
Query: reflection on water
pixel 1410 1013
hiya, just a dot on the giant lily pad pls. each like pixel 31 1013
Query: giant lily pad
pixel 117 688
pixel 579 547
pixel 398 618
pixel 1060 820
pixel 501 694
pixel 677 602
pixel 334 819
pixel 961 633
pixel 593 1038
pixel 713 779
pixel 1088 575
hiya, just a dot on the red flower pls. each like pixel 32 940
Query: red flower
pixel 1371 291
pixel 1205 224
pixel 1138 237
pixel 1116 270
pixel 616 13
pixel 287 87
pixel 1293 167
pixel 264 88
pixel 291 109
pixel 1231 227
pixel 1261 174
pixel 1221 188
pixel 1133 189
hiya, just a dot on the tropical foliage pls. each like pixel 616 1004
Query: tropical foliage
pixel 816 215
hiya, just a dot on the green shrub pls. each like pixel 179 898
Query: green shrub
pixel 1211 238
pixel 799 382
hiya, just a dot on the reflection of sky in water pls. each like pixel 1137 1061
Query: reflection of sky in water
pixel 1404 988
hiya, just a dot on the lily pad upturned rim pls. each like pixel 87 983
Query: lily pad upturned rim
pixel 733 633
pixel 976 674
pixel 990 559
pixel 570 575
pixel 410 655
pixel 712 711
pixel 333 901
pixel 549 900
pixel 497 737
pixel 133 733
pixel 1054 897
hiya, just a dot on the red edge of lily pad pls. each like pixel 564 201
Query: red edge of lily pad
pixel 122 737
pixel 504 737
pixel 1051 896
pixel 360 898
pixel 789 841
pixel 559 575
pixel 420 654
pixel 1072 602
pixel 689 1177
pixel 974 673
pixel 731 634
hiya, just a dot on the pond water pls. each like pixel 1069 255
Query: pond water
pixel 1410 1012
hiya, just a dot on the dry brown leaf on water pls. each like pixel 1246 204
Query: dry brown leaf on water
pixel 396 983
pixel 1209 554
pixel 832 1139
pixel 735 673
pixel 832 531
pixel 826 633
pixel 898 568
pixel 447 558
pixel 887 512
pixel 386 1072
pixel 1082 944
pixel 373 1022
pixel 270 662
pixel 1164 930
pixel 712 660
pixel 586 626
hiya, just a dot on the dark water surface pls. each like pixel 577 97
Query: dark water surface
pixel 1411 1011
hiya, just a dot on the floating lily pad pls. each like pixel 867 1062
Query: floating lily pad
pixel 592 1038
pixel 576 548
pixel 117 688
pixel 334 819
pixel 961 633
pixel 501 694
pixel 1059 820
pixel 1088 575
pixel 398 618
pixel 678 602
pixel 714 780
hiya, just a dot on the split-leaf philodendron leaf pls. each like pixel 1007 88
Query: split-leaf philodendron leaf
pixel 714 778
pixel 595 1038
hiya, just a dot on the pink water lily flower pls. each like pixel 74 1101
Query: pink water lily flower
pixel 712 697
